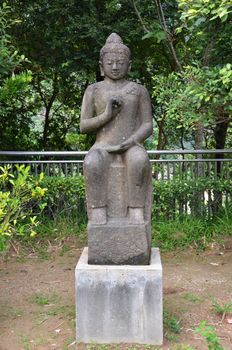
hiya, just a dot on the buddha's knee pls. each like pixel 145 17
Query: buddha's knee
pixel 138 161
pixel 95 161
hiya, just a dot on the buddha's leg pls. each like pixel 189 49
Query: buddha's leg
pixel 138 169
pixel 96 166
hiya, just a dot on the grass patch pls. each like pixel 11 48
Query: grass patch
pixel 69 343
pixel 10 312
pixel 53 235
pixel 118 347
pixel 62 311
pixel 222 309
pixel 183 347
pixel 61 234
pixel 43 300
pixel 191 298
pixel 172 326
pixel 30 344
pixel 190 232
pixel 61 228
pixel 66 310
pixel 210 336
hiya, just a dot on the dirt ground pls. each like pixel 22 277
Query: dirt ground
pixel 37 299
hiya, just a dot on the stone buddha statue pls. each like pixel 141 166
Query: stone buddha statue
pixel 116 169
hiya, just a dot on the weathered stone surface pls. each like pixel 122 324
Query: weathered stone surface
pixel 119 243
pixel 118 304
pixel 117 170
pixel 117 194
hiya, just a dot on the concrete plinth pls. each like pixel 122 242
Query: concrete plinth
pixel 119 303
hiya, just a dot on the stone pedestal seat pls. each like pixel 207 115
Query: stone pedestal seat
pixel 118 243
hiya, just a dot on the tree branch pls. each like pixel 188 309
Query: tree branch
pixel 139 16
pixel 207 51
pixel 48 109
pixel 168 35
pixel 40 92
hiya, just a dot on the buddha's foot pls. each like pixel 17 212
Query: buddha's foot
pixel 136 216
pixel 98 216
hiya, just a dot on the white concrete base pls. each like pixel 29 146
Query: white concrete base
pixel 119 303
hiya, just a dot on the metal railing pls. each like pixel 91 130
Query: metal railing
pixel 167 165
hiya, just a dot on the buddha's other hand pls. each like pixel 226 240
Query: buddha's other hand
pixel 122 147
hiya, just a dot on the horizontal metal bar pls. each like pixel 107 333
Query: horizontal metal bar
pixel 190 160
pixel 83 153
pixel 76 161
pixel 80 161
pixel 199 151
pixel 43 153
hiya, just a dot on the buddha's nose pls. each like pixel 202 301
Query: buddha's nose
pixel 115 66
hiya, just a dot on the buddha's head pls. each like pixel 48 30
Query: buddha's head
pixel 115 60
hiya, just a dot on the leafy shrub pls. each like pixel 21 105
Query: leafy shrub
pixel 19 193
pixel 208 333
pixel 65 195
pixel 180 195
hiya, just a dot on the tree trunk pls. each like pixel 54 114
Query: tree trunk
pixel 220 133
pixel 48 107
pixel 197 206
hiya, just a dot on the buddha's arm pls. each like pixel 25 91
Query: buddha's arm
pixel 146 127
pixel 143 132
pixel 89 123
pixel 145 111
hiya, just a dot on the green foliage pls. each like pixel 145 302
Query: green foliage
pixel 208 332
pixel 189 232
pixel 43 300
pixel 157 34
pixel 205 9
pixel 60 229
pixel 63 62
pixel 63 214
pixel 13 85
pixel 9 56
pixel 191 298
pixel 171 323
pixel 78 142
pixel 173 194
pixel 73 187
pixel 195 95
pixel 17 102
pixel 222 309
pixel 65 195
pixel 183 347
pixel 18 194
pixel 174 234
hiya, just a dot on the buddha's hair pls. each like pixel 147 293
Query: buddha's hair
pixel 114 43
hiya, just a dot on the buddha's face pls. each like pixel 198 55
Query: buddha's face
pixel 115 65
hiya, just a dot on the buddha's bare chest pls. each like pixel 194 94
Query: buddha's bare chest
pixel 129 95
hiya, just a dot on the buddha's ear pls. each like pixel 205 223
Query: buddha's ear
pixel 129 67
pixel 101 69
